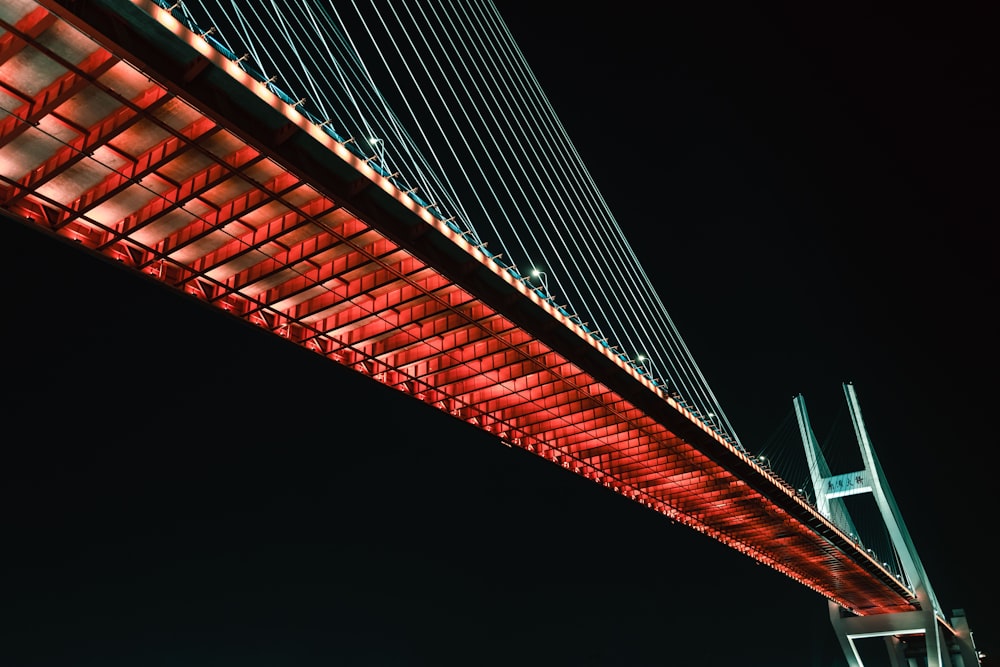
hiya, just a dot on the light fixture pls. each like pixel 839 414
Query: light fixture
pixel 378 145
pixel 542 278
pixel 644 361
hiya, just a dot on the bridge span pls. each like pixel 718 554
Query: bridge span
pixel 130 135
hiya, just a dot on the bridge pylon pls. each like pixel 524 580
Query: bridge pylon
pixel 918 638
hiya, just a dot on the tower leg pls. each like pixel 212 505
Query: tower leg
pixel 937 651
pixel 846 644
pixel 968 656
pixel 897 655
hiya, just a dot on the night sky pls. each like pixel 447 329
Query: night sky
pixel 813 195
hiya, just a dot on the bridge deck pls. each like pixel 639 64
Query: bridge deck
pixel 130 135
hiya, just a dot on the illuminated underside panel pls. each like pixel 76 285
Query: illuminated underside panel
pixel 196 175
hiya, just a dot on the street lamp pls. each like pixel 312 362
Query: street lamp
pixel 645 362
pixel 378 145
pixel 542 278
pixel 642 359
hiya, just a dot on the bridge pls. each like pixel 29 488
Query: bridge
pixel 132 133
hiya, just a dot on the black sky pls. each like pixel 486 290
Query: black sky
pixel 812 193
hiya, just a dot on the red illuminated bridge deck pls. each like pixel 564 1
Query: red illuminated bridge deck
pixel 130 135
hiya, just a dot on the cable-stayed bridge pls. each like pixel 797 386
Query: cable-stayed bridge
pixel 138 131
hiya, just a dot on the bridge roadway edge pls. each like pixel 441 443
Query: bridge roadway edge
pixel 123 27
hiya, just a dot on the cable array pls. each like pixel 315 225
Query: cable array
pixel 439 95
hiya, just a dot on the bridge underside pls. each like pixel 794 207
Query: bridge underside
pixel 126 133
